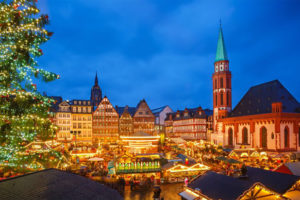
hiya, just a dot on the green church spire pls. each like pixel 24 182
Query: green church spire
pixel 221 50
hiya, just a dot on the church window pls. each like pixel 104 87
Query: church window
pixel 221 82
pixel 216 86
pixel 227 98
pixel 221 99
pixel 245 136
pixel 286 137
pixel 75 102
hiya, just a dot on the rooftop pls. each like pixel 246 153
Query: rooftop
pixel 54 184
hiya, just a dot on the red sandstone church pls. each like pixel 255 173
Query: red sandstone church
pixel 267 117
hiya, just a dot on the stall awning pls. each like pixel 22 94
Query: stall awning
pixel 188 196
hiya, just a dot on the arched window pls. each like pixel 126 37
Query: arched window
pixel 230 137
pixel 221 82
pixel 286 137
pixel 227 83
pixel 221 99
pixel 245 136
pixel 227 98
pixel 263 137
pixel 216 99
pixel 216 86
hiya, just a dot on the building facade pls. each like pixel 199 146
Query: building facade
pixel 160 116
pixel 187 124
pixel 143 119
pixel 126 120
pixel 63 122
pixel 105 122
pixel 81 127
pixel 267 117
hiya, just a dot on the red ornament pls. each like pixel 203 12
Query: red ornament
pixel 46 17
pixel 41 51
pixel 34 86
pixel 16 6
pixel 50 34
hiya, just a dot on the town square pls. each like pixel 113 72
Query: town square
pixel 193 100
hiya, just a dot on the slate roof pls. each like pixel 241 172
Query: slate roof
pixel 157 111
pixel 120 110
pixel 218 186
pixel 54 184
pixel 259 99
pixel 54 106
pixel 76 102
pixel 208 112
pixel 192 113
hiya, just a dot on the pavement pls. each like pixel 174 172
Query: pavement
pixel 169 192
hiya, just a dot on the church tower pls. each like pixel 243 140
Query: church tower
pixel 96 93
pixel 221 82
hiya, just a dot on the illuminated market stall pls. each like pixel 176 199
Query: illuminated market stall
pixel 140 142
pixel 178 172
pixel 138 167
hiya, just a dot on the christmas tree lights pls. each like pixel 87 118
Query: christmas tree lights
pixel 24 112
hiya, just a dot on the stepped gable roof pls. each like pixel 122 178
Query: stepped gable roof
pixel 54 184
pixel 259 99
pixel 219 186
pixel 191 113
pixel 121 110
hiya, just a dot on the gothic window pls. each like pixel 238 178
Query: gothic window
pixel 263 137
pixel 216 86
pixel 230 137
pixel 245 136
pixel 221 82
pixel 227 98
pixel 221 98
pixel 227 83
pixel 286 137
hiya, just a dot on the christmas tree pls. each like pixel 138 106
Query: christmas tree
pixel 24 112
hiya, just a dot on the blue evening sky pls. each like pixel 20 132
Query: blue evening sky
pixel 164 50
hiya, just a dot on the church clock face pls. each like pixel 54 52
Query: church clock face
pixel 221 67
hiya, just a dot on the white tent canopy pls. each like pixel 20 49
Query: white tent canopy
pixel 96 159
